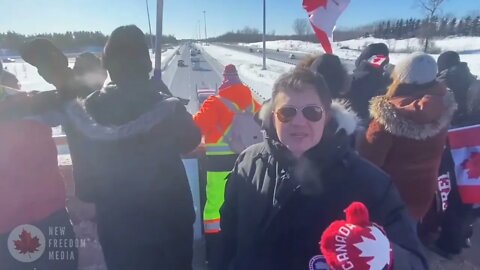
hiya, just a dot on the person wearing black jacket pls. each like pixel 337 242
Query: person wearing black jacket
pixel 283 193
pixel 458 219
pixel 125 142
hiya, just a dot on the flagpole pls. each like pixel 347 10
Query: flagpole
pixel 152 43
pixel 157 73
pixel 264 30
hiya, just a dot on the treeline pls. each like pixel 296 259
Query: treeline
pixel 68 41
pixel 250 35
pixel 435 27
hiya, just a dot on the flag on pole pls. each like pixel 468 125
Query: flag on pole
pixel 465 148
pixel 323 16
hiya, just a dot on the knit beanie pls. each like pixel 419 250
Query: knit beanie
pixel 447 60
pixel 417 68
pixel 356 243
pixel 333 71
pixel 126 52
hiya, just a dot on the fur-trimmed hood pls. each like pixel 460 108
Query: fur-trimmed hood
pixel 88 126
pixel 418 117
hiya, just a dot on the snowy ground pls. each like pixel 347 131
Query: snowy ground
pixel 250 68
pixel 468 47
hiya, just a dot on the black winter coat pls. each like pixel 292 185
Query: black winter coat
pixel 276 209
pixel 367 82
pixel 125 143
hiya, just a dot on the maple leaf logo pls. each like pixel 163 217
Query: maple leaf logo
pixel 27 244
pixel 472 165
pixel 378 249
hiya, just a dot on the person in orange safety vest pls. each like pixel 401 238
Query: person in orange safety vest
pixel 214 120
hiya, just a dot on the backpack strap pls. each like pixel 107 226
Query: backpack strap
pixel 230 104
pixel 234 107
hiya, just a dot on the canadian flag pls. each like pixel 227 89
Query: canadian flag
pixel 465 148
pixel 323 15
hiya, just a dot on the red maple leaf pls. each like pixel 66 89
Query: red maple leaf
pixel 27 244
pixel 311 5
pixel 472 165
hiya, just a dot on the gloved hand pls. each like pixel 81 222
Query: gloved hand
pixel 50 61
pixel 356 243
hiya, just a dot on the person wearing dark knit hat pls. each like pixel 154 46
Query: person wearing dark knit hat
pixel 407 134
pixel 447 60
pixel 370 78
pixel 126 53
pixel 332 70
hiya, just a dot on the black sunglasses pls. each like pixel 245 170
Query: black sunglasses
pixel 312 113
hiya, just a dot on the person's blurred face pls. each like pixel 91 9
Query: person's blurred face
pixel 299 119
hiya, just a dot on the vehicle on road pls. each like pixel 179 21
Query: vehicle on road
pixel 194 59
pixel 292 56
pixel 8 60
pixel 181 63
pixel 250 50
pixel 177 52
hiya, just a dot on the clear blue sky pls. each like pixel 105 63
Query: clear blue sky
pixel 182 17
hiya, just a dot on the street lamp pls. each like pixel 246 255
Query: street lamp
pixel 205 22
pixel 199 31
pixel 152 42
pixel 157 73
pixel 264 30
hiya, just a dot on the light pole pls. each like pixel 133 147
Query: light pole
pixel 205 22
pixel 157 73
pixel 152 43
pixel 264 30
pixel 199 31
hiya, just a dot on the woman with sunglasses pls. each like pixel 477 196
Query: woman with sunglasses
pixel 283 193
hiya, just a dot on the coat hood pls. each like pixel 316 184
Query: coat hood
pixel 82 120
pixel 416 117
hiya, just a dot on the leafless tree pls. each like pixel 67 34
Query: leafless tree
pixel 300 27
pixel 431 9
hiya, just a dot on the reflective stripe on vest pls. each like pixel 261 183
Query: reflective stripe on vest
pixel 211 226
pixel 218 149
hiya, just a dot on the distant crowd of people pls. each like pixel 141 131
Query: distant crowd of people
pixel 334 171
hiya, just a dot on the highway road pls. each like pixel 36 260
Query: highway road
pixel 183 81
